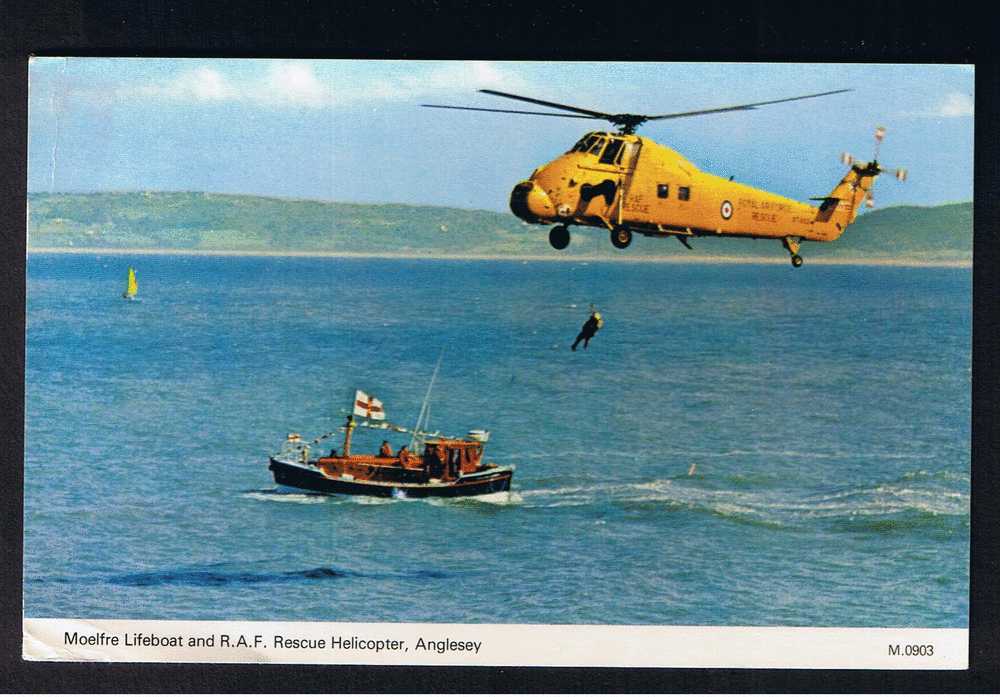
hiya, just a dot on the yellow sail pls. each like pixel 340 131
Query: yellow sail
pixel 133 287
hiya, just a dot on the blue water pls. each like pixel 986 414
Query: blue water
pixel 826 411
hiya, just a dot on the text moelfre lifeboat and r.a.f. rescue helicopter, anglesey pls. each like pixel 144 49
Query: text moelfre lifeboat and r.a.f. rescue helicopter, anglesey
pixel 625 184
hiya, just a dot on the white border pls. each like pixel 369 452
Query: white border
pixel 505 645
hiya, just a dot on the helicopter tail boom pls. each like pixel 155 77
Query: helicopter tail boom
pixel 840 208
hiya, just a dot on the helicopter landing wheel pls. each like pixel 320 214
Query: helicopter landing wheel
pixel 559 237
pixel 796 260
pixel 621 237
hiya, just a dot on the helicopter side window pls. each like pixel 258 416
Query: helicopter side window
pixel 683 193
pixel 663 190
pixel 611 152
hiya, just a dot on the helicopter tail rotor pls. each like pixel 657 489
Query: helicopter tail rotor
pixel 873 168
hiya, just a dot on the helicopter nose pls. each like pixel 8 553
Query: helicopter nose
pixel 530 203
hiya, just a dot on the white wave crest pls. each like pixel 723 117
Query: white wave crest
pixel 285 498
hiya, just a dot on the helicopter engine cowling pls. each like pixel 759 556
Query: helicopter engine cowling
pixel 530 203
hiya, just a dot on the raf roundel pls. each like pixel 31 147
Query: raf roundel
pixel 726 210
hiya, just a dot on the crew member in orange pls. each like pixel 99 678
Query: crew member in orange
pixel 404 456
pixel 386 449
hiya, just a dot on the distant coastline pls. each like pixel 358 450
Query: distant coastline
pixel 208 224
pixel 650 259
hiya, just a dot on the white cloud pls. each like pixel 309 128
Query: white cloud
pixel 953 105
pixel 456 78
pixel 200 84
pixel 956 104
pixel 295 83
pixel 425 81
pixel 284 83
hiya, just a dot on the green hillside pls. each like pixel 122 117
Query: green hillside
pixel 201 221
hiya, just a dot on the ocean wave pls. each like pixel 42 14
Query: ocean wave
pixel 942 475
pixel 497 498
pixel 904 522
pixel 697 454
pixel 915 501
pixel 285 497
pixel 878 507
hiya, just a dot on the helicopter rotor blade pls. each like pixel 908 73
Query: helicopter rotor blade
pixel 627 123
pixel 555 105
pixel 741 107
pixel 510 111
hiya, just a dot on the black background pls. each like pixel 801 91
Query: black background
pixel 897 32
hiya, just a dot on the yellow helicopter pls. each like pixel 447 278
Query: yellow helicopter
pixel 628 184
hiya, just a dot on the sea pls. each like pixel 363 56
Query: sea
pixel 740 444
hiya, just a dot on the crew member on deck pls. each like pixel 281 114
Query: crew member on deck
pixel 404 456
pixel 385 450
pixel 590 327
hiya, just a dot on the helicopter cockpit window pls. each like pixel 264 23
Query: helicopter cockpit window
pixel 584 144
pixel 611 152
pixel 596 145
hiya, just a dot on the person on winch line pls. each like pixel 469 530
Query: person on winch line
pixel 590 327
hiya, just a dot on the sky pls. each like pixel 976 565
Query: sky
pixel 355 131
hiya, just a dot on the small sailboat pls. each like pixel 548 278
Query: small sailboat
pixel 132 286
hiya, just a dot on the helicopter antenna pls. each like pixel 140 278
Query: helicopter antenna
pixel 626 123
pixel 879 135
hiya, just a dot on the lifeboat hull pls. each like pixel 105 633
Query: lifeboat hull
pixel 300 476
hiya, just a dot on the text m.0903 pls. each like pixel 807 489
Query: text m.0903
pixel 911 650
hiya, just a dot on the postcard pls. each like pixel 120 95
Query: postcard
pixel 498 363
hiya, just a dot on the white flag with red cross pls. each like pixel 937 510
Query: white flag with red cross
pixel 367 406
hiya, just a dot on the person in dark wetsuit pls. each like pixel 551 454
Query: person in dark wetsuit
pixel 590 327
